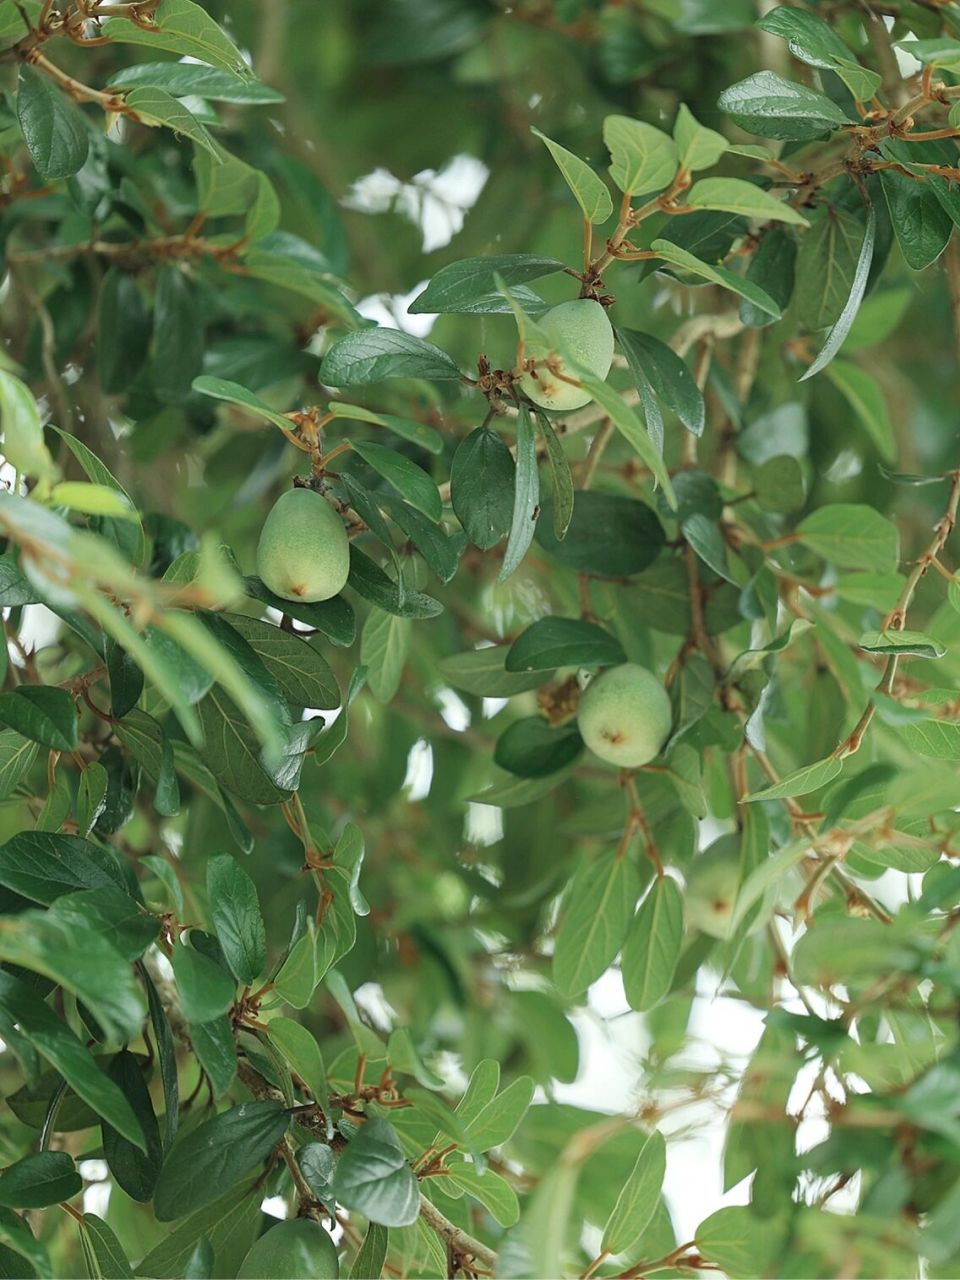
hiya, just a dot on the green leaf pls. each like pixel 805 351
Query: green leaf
pixel 43 714
pixel 217 1154
pixel 494 1122
pixel 38 1180
pixel 470 287
pixel 482 483
pixel 384 646
pixel 79 960
pixel 16 1236
pixel 679 257
pixel 598 909
pixel 644 158
pixel 653 945
pixel 181 27
pixel 334 618
pixel 553 642
pixel 135 1171
pixel 372 1253
pixel 697 146
pixel 235 916
pixel 68 1055
pixel 526 497
pixel 23 444
pixel 189 79
pixel 417 433
pixel 233 393
pixel 297 978
pixel 909 644
pixel 229 1224
pixel 810 778
pixel 851 536
pixel 299 1047
pixel 482 671
pixel 937 738
pixel 213 1043
pixel 493 1192
pixel 922 225
pixel 827 265
pixel 740 1242
pixel 409 480
pixel 43 865
pixel 231 752
pixel 768 105
pixel 110 1260
pixel 532 748
pixel 204 988
pixel 177 336
pixel 147 743
pixel 773 269
pixel 157 108
pixel 123 331
pixel 54 128
pixel 116 917
pixel 637 1201
pixel 837 335
pixel 563 496
pixel 609 535
pixel 865 397
pixel 373 355
pixel 631 428
pixel 589 190
pixel 654 362
pixel 294 662
pixel 732 195
pixel 809 38
pixel 373 1177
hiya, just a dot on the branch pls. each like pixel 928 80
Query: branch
pixel 462 1243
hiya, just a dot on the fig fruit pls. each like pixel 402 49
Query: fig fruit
pixel 625 715
pixel 303 552
pixel 582 330
pixel 298 1249
pixel 712 887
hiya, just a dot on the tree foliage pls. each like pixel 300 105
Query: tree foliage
pixel 307 897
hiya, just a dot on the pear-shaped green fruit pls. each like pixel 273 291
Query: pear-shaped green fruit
pixel 582 330
pixel 712 886
pixel 625 715
pixel 299 1249
pixel 303 552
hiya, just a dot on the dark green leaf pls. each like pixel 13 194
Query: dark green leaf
pixel 136 1171
pixel 43 714
pixel 235 915
pixel 653 361
pixel 372 355
pixel 555 642
pixel 38 1180
pixel 373 1177
pixel 526 500
pixel 177 336
pixel 54 128
pixel 205 989
pixel 469 286
pixel 482 483
pixel 215 1155
pixel 532 749
pixel 768 105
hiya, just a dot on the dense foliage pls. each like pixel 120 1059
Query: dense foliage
pixel 252 950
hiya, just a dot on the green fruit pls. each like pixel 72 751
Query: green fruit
pixel 303 552
pixel 582 330
pixel 625 715
pixel 712 887
pixel 299 1249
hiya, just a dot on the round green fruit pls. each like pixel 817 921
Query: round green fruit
pixel 299 1249
pixel 582 330
pixel 625 715
pixel 303 552
pixel 712 887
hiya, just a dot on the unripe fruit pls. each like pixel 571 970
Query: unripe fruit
pixel 625 715
pixel 582 329
pixel 299 1249
pixel 303 552
pixel 712 887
